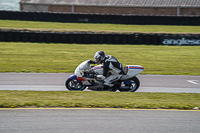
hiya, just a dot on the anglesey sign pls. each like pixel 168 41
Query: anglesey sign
pixel 181 41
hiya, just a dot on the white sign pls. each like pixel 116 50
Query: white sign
pixel 181 41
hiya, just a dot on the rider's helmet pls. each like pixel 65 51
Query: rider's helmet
pixel 99 57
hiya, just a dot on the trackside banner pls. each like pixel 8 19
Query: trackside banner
pixel 180 40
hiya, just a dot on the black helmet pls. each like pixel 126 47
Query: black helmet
pixel 99 57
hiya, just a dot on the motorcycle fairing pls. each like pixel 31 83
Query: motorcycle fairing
pixel 97 67
pixel 135 67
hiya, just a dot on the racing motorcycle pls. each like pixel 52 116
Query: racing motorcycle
pixel 85 75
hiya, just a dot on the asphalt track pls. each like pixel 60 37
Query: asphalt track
pixel 98 121
pixel 38 120
pixel 55 82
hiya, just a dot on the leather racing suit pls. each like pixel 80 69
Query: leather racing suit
pixel 112 70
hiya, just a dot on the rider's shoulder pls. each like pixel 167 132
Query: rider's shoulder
pixel 110 58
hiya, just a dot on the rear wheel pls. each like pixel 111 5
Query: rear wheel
pixel 74 85
pixel 130 85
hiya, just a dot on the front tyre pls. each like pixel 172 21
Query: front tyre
pixel 74 85
pixel 130 85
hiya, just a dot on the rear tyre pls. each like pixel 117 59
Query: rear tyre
pixel 74 85
pixel 130 85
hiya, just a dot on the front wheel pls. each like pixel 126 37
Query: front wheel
pixel 130 85
pixel 74 85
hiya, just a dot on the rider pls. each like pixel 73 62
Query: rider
pixel 112 68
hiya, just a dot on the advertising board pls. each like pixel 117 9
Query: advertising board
pixel 181 40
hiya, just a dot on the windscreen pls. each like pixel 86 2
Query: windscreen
pixel 84 66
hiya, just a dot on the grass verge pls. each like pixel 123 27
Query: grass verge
pixel 119 28
pixel 84 99
pixel 37 57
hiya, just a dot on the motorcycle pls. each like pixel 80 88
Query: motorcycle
pixel 85 75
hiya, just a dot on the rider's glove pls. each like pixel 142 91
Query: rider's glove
pixel 91 62
pixel 101 77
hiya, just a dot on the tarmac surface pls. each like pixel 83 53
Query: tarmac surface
pixel 56 81
pixel 63 120
pixel 98 121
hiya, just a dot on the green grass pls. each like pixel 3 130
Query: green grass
pixel 36 57
pixel 33 25
pixel 41 57
pixel 12 99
